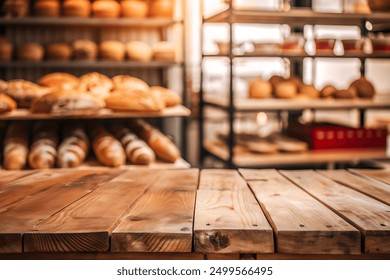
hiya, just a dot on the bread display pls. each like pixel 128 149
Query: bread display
pixel 43 150
pixel 77 8
pixel 137 151
pixel 363 87
pixel 139 51
pixel 58 51
pixel 24 92
pixel 169 97
pixel 259 88
pixel 106 9
pixel 328 91
pixel 7 104
pixel 6 50
pixel 286 90
pixel 134 101
pixel 309 91
pixel 74 146
pixel 96 84
pixel 30 52
pixel 107 149
pixel 47 8
pixel 112 50
pixel 134 8
pixel 16 8
pixel 161 8
pixel 85 50
pixel 129 83
pixel 16 146
pixel 162 146
pixel 164 51
pixel 60 81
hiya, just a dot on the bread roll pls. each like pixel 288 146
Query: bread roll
pixel 47 8
pixel 346 94
pixel 162 146
pixel 77 8
pixel 169 97
pixel 164 51
pixel 161 8
pixel 96 84
pixel 275 80
pixel 67 102
pixel 112 50
pixel 309 91
pixel 364 88
pixel 139 51
pixel 296 81
pixel 6 49
pixel 30 52
pixel 328 91
pixel 3 86
pixel 129 83
pixel 60 81
pixel 74 146
pixel 259 88
pixel 134 101
pixel 58 51
pixel 137 151
pixel 286 90
pixel 16 144
pixel 24 92
pixel 7 104
pixel 43 150
pixel 134 8
pixel 107 149
pixel 106 9
pixel 16 8
pixel 85 50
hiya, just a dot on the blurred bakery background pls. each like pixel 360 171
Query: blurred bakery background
pixel 180 83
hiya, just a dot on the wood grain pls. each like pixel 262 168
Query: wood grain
pixel 161 220
pixel 228 218
pixel 302 225
pixel 44 202
pixel 379 175
pixel 369 215
pixel 85 225
pixel 10 176
pixel 373 188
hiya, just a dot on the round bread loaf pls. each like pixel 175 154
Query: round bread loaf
pixel 106 9
pixel 96 84
pixel 260 88
pixel 309 91
pixel 77 8
pixel 161 8
pixel 16 8
pixel 328 91
pixel 84 50
pixel 60 81
pixel 139 51
pixel 112 50
pixel 7 104
pixel 164 51
pixel 58 51
pixel 6 49
pixel 296 80
pixel 128 83
pixel 134 9
pixel 286 90
pixel 364 88
pixel 275 79
pixel 30 52
pixel 47 8
pixel 346 94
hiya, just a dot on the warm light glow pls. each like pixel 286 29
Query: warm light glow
pixel 369 26
pixel 262 119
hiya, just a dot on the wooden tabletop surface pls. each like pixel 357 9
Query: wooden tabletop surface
pixel 201 214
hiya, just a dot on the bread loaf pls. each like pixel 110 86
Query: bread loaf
pixel 134 8
pixel 274 80
pixel 328 91
pixel 286 90
pixel 47 8
pixel 85 50
pixel 112 50
pixel 161 8
pixel 137 151
pixel 309 91
pixel 7 104
pixel 259 88
pixel 16 144
pixel 74 146
pixel 96 84
pixel 107 149
pixel 77 8
pixel 169 97
pixel 43 150
pixel 129 83
pixel 16 8
pixel 162 146
pixel 25 92
pixel 364 88
pixel 134 101
pixel 139 51
pixel 30 52
pixel 164 51
pixel 58 51
pixel 106 9
pixel 346 94
pixel 60 81
pixel 3 86
pixel 6 49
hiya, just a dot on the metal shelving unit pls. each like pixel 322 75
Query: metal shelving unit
pixel 230 153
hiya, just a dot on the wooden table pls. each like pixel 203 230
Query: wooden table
pixel 192 214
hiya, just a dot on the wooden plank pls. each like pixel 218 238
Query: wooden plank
pixel 10 176
pixel 38 206
pixel 162 219
pixel 375 189
pixel 370 216
pixel 302 225
pixel 85 225
pixel 228 218
pixel 378 175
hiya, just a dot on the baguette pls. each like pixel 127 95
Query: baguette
pixel 16 146
pixel 134 101
pixel 169 97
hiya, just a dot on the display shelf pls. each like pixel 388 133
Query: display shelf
pixel 244 158
pixel 272 104
pixel 24 114
pixel 296 17
pixel 98 64
pixel 92 22
pixel 94 164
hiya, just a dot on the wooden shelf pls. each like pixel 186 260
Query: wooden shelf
pixel 24 114
pixel 245 158
pixel 94 164
pixel 297 17
pixel 92 22
pixel 273 104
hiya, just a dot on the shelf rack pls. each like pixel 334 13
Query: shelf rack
pixel 295 18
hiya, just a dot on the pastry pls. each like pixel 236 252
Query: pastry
pixel 129 83
pixel 134 8
pixel 139 51
pixel 112 50
pixel 309 91
pixel 7 104
pixel 16 8
pixel 259 88
pixel 161 8
pixel 3 86
pixel 286 90
pixel 96 84
pixel 296 81
pixel 134 101
pixel 47 8
pixel 275 80
pixel 77 8
pixel 24 92
pixel 58 51
pixel 106 9
pixel 16 144
pixel 164 51
pixel 60 81
pixel 328 91
pixel 30 52
pixel 346 94
pixel 364 88
pixel 84 50
pixel 6 49
pixel 169 97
